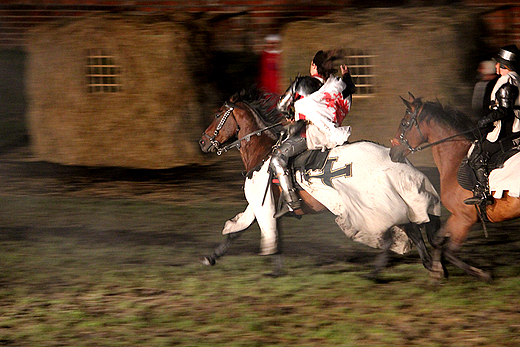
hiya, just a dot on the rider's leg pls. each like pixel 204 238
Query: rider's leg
pixel 292 146
pixel 478 162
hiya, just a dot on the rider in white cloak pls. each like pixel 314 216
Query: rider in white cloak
pixel 322 101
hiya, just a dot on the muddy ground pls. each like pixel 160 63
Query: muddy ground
pixel 79 274
pixel 21 173
pixel 221 182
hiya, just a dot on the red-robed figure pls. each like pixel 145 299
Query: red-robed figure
pixel 269 66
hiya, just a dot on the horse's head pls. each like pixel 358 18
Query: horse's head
pixel 299 88
pixel 223 128
pixel 409 135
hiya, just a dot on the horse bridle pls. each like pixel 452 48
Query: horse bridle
pixel 219 127
pixel 407 125
pixel 238 142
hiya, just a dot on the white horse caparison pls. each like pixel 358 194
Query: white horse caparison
pixel 378 196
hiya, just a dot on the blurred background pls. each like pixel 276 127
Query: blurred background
pixel 134 83
pixel 106 210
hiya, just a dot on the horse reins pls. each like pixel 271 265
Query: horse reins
pixel 420 148
pixel 246 137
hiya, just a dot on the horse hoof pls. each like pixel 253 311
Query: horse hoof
pixel 275 274
pixel 485 276
pixel 488 278
pixel 374 277
pixel 208 261
pixel 428 265
pixel 437 271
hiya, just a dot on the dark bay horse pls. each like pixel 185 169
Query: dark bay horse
pixel 251 122
pixel 450 134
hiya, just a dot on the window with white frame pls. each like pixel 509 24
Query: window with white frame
pixel 103 74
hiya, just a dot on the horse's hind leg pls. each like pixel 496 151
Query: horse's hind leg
pixel 382 259
pixel 221 249
pixel 413 231
pixel 432 231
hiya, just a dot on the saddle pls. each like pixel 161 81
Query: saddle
pixel 308 160
pixel 311 159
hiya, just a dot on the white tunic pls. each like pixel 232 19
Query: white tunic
pixel 324 110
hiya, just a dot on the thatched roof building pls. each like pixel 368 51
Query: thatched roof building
pixel 429 52
pixel 125 90
pixel 116 90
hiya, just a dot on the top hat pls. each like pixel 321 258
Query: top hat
pixel 508 56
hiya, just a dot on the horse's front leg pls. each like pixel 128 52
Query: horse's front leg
pixel 457 228
pixel 438 242
pixel 221 249
pixel 233 228
pixel 271 236
pixel 438 270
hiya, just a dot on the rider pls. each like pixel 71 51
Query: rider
pixel 324 101
pixel 501 127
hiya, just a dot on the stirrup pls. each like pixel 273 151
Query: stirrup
pixel 480 199
pixel 474 200
pixel 283 210
pixel 288 207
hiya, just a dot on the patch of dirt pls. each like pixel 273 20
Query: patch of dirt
pixel 20 173
pixel 221 181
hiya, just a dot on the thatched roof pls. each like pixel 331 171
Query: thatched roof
pixel 427 51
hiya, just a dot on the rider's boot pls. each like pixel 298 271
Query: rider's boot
pixel 481 194
pixel 292 201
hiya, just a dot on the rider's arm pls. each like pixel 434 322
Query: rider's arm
pixel 347 79
pixel 506 96
pixel 497 114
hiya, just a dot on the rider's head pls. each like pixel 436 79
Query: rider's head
pixel 508 58
pixel 323 64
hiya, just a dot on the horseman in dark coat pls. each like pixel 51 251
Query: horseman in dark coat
pixel 500 129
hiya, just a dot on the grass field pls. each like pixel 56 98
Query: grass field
pixel 92 258
pixel 91 271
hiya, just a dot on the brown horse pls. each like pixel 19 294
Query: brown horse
pixel 253 119
pixel 241 118
pixel 450 134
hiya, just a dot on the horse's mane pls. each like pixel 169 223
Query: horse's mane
pixel 263 105
pixel 447 116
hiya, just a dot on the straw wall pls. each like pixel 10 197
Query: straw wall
pixel 426 51
pixel 154 121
